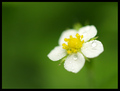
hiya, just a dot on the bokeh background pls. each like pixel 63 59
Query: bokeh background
pixel 30 30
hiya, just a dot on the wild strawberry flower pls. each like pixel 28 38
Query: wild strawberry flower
pixel 75 46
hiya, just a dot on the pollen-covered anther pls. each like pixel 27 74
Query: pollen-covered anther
pixel 81 36
pixel 83 41
pixel 66 39
pixel 77 35
pixel 74 50
pixel 73 44
pixel 64 46
pixel 69 52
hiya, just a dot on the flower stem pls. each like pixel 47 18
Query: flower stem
pixel 90 75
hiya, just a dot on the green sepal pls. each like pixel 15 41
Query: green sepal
pixel 87 59
pixel 93 38
pixel 77 26
pixel 63 59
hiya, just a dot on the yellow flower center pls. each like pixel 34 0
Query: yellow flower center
pixel 74 44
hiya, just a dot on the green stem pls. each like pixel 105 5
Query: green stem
pixel 89 66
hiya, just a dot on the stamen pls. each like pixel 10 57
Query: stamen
pixel 81 36
pixel 83 41
pixel 66 39
pixel 73 44
pixel 69 52
pixel 77 35
pixel 64 46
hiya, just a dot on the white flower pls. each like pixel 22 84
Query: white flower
pixel 76 45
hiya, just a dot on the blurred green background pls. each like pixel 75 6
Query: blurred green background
pixel 30 30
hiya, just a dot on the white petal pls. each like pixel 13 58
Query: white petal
pixel 66 34
pixel 88 32
pixel 57 53
pixel 92 49
pixel 74 62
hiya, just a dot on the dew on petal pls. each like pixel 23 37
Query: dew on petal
pixel 94 44
pixel 75 57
